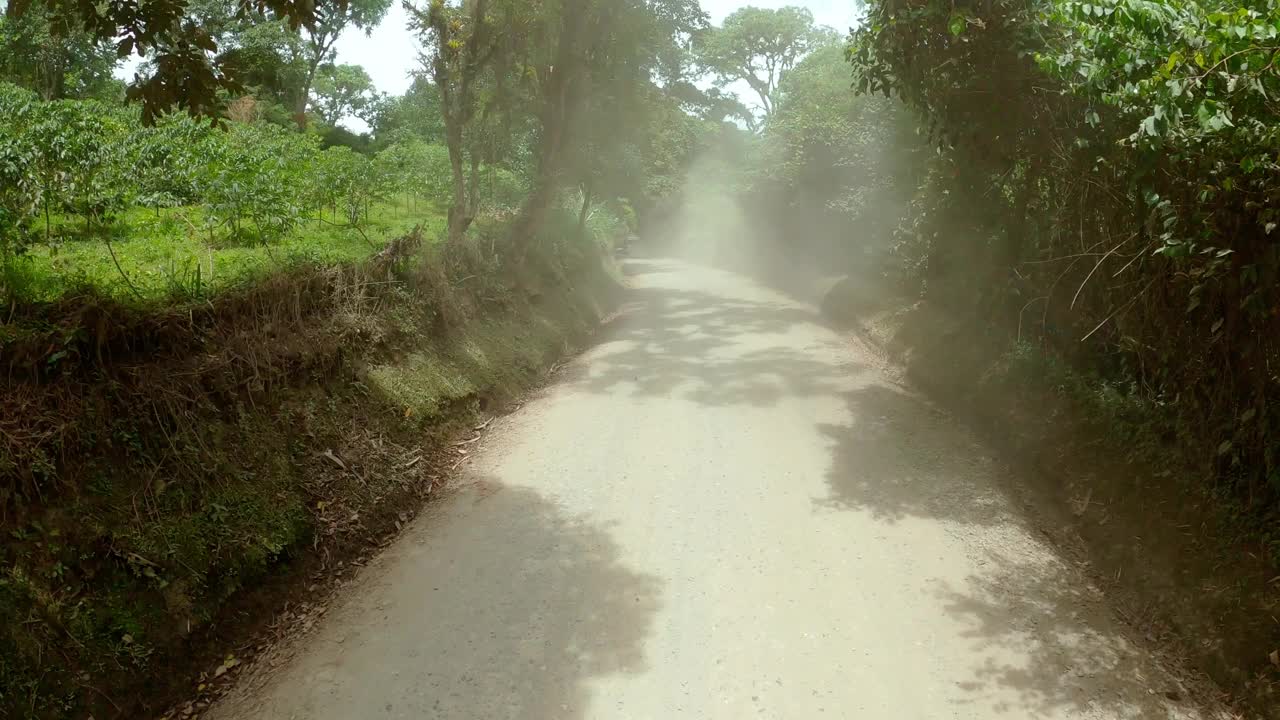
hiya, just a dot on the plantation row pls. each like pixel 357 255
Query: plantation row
pixel 75 170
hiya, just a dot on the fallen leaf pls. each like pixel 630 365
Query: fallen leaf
pixel 329 454
pixel 226 665
pixel 1275 657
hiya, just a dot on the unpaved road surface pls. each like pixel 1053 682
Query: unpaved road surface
pixel 724 510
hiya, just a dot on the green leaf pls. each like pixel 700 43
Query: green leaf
pixel 957 25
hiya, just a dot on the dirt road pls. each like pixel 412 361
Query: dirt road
pixel 724 510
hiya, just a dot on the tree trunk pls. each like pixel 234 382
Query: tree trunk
pixel 458 220
pixel 304 97
pixel 473 188
pixel 321 46
pixel 15 9
pixel 556 115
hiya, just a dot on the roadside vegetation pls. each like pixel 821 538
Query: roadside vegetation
pixel 1120 208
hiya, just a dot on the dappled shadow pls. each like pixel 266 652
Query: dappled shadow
pixel 497 604
pixel 735 344
pixel 1050 647
pixel 1043 642
pixel 900 457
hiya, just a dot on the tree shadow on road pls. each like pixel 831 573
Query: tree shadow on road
pixel 1052 647
pixel 1048 644
pixel 901 457
pixel 715 349
pixel 496 605
pixel 554 604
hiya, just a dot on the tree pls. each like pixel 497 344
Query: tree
pixel 187 72
pixel 341 91
pixel 597 54
pixel 469 49
pixel 760 46
pixel 331 18
pixel 265 55
pixel 711 104
pixel 38 53
pixel 835 160
pixel 416 114
pixel 564 80
pixel 259 57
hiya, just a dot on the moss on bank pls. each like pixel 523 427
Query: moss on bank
pixel 179 484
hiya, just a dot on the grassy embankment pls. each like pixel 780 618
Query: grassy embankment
pixel 171 469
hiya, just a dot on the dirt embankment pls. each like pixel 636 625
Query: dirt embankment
pixel 171 481
pixel 1174 560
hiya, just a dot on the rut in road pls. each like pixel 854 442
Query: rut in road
pixel 723 510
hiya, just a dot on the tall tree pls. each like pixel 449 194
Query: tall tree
pixel 332 18
pixel 416 114
pixel 621 101
pixel 40 53
pixel 568 76
pixel 341 91
pixel 265 55
pixel 470 50
pixel 759 46
pixel 596 53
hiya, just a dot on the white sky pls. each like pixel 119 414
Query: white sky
pixel 391 51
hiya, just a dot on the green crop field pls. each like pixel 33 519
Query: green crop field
pixel 95 201
pixel 167 254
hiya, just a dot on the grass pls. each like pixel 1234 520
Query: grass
pixel 170 255
pixel 174 525
pixel 488 357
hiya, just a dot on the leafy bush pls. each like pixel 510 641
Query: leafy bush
pixel 78 166
pixel 169 158
pixel 19 191
pixel 255 177
pixel 351 182
pixel 1126 190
